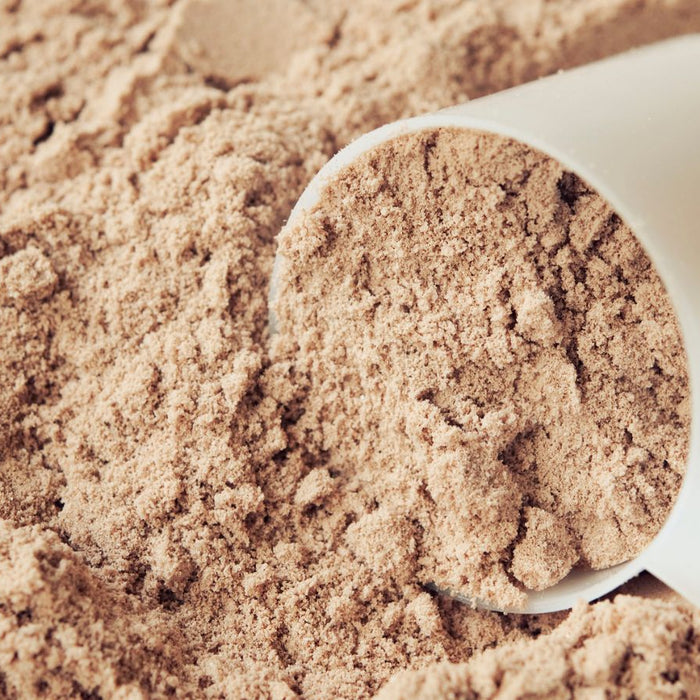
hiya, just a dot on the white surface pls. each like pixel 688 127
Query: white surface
pixel 630 127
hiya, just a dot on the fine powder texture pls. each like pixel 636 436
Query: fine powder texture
pixel 492 356
pixel 166 529
pixel 588 656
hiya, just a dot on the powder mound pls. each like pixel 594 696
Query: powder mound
pixel 62 629
pixel 490 351
pixel 627 648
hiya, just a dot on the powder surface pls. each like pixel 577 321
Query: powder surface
pixel 492 356
pixel 607 650
pixel 164 531
pixel 204 36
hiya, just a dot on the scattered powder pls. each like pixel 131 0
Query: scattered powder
pixel 164 529
pixel 490 356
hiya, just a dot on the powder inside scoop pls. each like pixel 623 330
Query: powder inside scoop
pixel 491 353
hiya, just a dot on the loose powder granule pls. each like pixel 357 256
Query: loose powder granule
pixel 492 356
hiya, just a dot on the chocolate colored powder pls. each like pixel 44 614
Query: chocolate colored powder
pixel 492 356
pixel 589 655
pixel 166 527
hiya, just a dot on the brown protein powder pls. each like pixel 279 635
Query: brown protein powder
pixel 178 515
pixel 491 354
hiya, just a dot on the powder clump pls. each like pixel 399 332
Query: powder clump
pixel 546 552
pixel 26 277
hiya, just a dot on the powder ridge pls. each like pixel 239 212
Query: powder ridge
pixel 164 530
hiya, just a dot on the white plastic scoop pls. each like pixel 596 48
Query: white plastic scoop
pixel 630 127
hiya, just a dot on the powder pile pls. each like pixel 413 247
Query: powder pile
pixel 164 532
pixel 588 656
pixel 490 349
